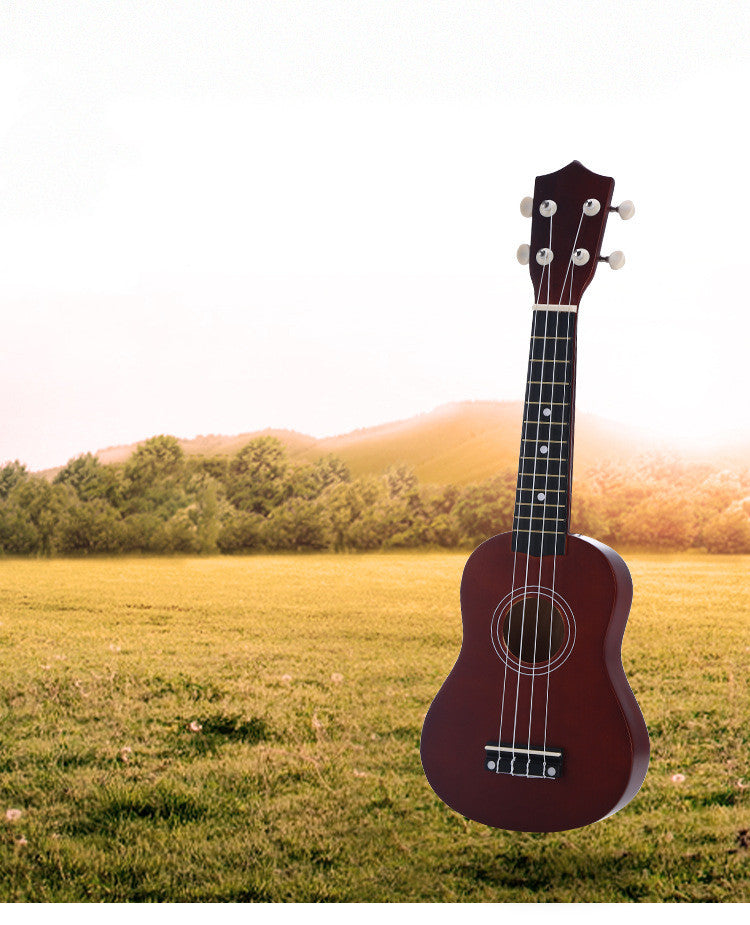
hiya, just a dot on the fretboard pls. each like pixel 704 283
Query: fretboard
pixel 540 522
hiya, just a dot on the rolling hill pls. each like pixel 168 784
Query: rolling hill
pixel 461 442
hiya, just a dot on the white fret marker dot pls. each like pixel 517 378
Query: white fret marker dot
pixel 541 497
pixel 543 449
pixel 547 412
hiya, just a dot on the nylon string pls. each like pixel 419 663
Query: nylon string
pixel 528 548
pixel 515 551
pixel 568 360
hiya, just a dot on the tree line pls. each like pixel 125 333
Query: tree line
pixel 162 501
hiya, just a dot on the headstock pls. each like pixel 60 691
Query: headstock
pixel 568 214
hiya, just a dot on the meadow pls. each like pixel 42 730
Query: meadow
pixel 247 728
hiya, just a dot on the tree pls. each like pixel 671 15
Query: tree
pixel 298 524
pixel 145 531
pixel 10 475
pixel 31 515
pixel 257 475
pixel 240 530
pixel 158 459
pixel 662 521
pixel 182 531
pixel 331 471
pixel 90 479
pixel 208 522
pixel 730 530
pixel 91 527
pixel 400 480
pixel 486 509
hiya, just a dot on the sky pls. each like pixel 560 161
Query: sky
pixel 216 218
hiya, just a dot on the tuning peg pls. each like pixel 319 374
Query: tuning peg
pixel 625 210
pixel 527 206
pixel 522 254
pixel 616 260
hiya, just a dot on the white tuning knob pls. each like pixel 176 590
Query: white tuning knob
pixel 616 260
pixel 544 256
pixel 548 208
pixel 527 206
pixel 522 254
pixel 591 207
pixel 626 210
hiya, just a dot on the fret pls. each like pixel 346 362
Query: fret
pixel 542 504
pixel 536 401
pixel 555 383
pixel 553 352
pixel 548 422
pixel 555 512
pixel 550 503
pixel 551 475
pixel 543 393
pixel 542 520
pixel 542 440
pixel 546 532
pixel 544 353
pixel 544 458
pixel 546 429
pixel 546 491
pixel 549 337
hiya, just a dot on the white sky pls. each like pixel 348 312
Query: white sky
pixel 220 217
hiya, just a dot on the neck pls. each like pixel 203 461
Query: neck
pixel 540 524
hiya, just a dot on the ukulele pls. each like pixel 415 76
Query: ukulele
pixel 536 728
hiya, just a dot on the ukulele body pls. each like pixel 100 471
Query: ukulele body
pixel 572 732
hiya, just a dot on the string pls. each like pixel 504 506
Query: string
pixel 515 551
pixel 568 358
pixel 544 510
pixel 528 549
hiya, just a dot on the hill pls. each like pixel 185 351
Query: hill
pixel 461 442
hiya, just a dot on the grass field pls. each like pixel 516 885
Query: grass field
pixel 305 679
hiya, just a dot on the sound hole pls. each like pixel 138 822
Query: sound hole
pixel 534 644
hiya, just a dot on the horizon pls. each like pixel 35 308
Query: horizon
pixel 653 441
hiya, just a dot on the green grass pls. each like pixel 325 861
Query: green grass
pixel 310 677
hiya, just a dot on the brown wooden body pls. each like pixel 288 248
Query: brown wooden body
pixel 592 713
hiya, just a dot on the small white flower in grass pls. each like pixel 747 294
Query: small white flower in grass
pixel 45 667
pixel 126 753
pixel 195 726
pixel 360 773
pixel 21 841
pixel 677 778
pixel 316 723
pixel 114 648
pixel 337 678
pixel 286 678
pixel 13 815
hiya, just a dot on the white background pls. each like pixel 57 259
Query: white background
pixel 220 217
